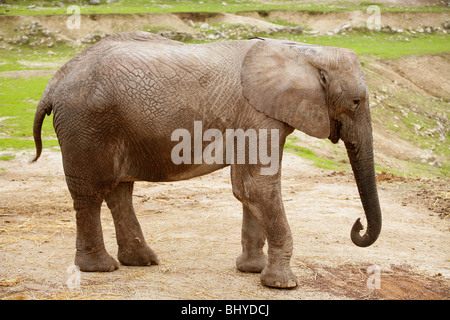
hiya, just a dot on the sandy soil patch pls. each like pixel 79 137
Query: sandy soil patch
pixel 434 80
pixel 194 226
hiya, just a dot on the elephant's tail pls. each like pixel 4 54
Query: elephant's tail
pixel 44 108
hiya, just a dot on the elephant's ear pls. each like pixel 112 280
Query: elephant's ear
pixel 279 81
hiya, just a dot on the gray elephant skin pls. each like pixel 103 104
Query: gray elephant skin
pixel 116 104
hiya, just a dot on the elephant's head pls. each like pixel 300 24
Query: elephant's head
pixel 322 92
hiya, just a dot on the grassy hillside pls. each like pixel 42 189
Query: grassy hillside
pixel 42 7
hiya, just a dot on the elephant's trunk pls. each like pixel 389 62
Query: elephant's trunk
pixel 361 159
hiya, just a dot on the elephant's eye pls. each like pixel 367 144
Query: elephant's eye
pixel 356 103
pixel 322 77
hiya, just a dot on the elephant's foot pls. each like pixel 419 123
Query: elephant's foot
pixel 137 254
pixel 278 277
pixel 248 263
pixel 98 261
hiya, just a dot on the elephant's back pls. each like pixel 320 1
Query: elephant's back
pixel 168 83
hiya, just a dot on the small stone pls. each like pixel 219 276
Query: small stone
pixel 297 29
pixel 189 22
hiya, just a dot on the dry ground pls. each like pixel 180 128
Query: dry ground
pixel 194 226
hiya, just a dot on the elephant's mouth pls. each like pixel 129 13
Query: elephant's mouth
pixel 335 131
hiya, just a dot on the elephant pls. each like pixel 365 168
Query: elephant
pixel 117 103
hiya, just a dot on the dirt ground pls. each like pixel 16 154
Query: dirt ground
pixel 194 226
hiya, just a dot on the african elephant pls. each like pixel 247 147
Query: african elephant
pixel 117 104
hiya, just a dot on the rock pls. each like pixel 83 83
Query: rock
pixel 297 29
pixel 200 36
pixel 420 30
pixel 190 23
pixel 176 35
pixel 291 30
pixel 429 157
pixel 61 4
pixel 428 29
pixel 386 28
pixel 435 163
pixel 346 27
pixel 50 44
pixel 94 2
pixel 273 30
pixel 32 6
pixel 221 35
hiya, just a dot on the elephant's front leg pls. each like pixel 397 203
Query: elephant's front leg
pixel 261 195
pixel 252 258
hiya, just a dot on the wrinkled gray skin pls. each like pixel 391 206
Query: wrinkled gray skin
pixel 117 103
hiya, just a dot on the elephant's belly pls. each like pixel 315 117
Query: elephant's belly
pixel 181 172
pixel 194 171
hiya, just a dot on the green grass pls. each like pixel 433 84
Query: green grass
pixel 292 146
pixel 24 57
pixel 414 119
pixel 380 45
pixel 146 6
pixel 7 158
pixel 19 98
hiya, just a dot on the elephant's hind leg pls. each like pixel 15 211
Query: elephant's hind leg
pixel 133 250
pixel 91 255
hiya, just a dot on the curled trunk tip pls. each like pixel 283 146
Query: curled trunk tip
pixel 364 240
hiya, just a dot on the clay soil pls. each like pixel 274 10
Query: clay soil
pixel 194 226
